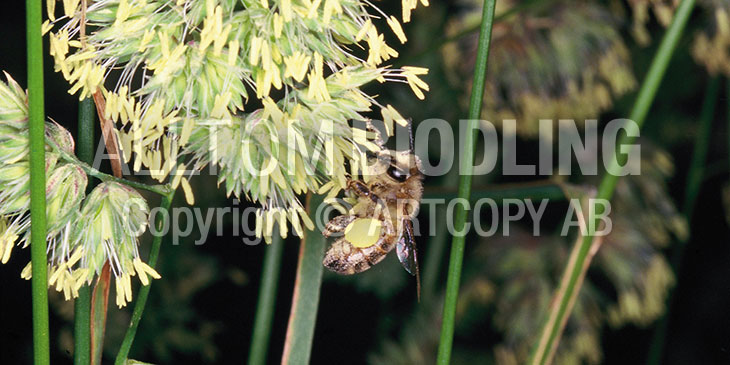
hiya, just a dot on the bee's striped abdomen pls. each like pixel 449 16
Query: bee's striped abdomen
pixel 343 258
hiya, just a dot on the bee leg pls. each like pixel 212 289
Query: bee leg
pixel 337 224
pixel 362 190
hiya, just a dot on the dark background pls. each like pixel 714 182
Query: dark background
pixel 352 322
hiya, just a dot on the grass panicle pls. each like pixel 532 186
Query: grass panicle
pixel 553 328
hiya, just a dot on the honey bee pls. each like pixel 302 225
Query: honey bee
pixel 381 219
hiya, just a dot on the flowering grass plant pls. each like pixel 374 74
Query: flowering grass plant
pixel 276 100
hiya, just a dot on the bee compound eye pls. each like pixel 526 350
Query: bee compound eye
pixel 398 174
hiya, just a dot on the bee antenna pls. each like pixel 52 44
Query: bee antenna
pixel 410 136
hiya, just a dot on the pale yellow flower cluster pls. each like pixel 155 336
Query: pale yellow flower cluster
pixel 242 85
pixel 114 218
pixel 104 230
pixel 83 233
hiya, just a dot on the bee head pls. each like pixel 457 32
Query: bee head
pixel 399 166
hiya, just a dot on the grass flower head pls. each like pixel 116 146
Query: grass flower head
pixel 239 85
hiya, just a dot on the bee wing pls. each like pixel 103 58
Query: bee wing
pixel 407 254
pixel 406 248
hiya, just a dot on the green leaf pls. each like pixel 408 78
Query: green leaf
pixel 303 316
pixel 267 300
pixel 99 305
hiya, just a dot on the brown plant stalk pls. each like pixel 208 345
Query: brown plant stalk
pixel 104 281
pixel 559 296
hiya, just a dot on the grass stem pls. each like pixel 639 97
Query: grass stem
pixel 36 122
pixel 466 169
pixel 82 304
pixel 157 189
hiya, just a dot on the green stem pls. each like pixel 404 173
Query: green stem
pixel 157 189
pixel 553 329
pixel 266 301
pixel 82 323
pixel 87 115
pixel 467 169
pixel 695 177
pixel 82 304
pixel 39 282
pixel 303 316
pixel 144 291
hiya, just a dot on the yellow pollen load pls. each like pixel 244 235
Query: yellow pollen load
pixel 363 232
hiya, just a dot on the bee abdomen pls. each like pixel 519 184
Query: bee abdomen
pixel 343 258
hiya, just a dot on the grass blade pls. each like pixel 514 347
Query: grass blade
pixel 570 297
pixel 466 169
pixel 82 304
pixel 99 305
pixel 553 329
pixel 267 300
pixel 36 121
pixel 303 316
